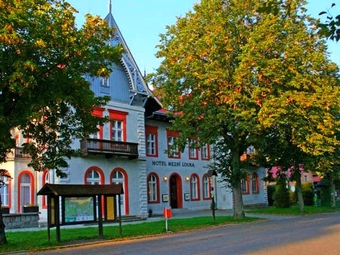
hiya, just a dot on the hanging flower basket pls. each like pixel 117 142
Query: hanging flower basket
pixel 30 208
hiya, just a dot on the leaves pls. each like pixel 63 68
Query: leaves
pixel 43 63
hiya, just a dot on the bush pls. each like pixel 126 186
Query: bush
pixel 270 193
pixel 281 195
pixel 308 193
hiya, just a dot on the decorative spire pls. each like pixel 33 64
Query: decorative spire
pixel 110 6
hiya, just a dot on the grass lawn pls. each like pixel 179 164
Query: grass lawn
pixel 37 240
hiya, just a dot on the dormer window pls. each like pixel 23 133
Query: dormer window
pixel 104 82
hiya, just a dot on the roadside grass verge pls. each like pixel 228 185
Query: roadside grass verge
pixel 293 210
pixel 37 240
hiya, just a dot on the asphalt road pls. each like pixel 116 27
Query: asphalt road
pixel 317 234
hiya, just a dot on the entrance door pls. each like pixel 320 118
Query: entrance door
pixel 175 191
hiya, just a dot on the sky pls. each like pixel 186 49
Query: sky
pixel 142 21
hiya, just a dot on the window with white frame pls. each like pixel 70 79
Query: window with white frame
pixel 25 190
pixel 117 130
pixel 192 149
pixel 194 187
pixel 255 183
pixel 104 82
pixel 152 185
pixel 151 144
pixel 92 177
pixel 172 148
pixel 205 151
pixel 4 192
pixel 206 187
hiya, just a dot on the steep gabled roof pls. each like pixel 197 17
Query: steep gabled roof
pixel 136 80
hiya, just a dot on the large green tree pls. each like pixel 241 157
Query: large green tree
pixel 44 59
pixel 230 71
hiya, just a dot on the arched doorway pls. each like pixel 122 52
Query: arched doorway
pixel 175 184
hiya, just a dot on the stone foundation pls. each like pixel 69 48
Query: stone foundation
pixel 21 220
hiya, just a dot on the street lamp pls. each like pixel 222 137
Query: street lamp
pixel 212 174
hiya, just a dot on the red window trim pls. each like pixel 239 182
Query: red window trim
pixel 170 133
pixel 257 183
pixel 196 149
pixel 119 116
pixel 126 187
pixel 152 130
pixel 208 153
pixel 95 168
pixel 99 112
pixel 31 186
pixel 247 192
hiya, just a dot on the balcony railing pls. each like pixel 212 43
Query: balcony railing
pixel 109 148
pixel 17 153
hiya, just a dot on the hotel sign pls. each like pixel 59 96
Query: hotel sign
pixel 172 163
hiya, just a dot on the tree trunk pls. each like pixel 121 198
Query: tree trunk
pixel 299 194
pixel 332 188
pixel 237 192
pixel 3 239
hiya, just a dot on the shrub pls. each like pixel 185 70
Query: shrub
pixel 281 195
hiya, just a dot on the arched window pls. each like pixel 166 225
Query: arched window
pixel 194 187
pixel 94 176
pixel 153 188
pixel 206 187
pixel 245 185
pixel 119 175
pixel 4 192
pixel 255 183
pixel 26 189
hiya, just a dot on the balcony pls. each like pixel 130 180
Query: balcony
pixel 109 148
pixel 17 153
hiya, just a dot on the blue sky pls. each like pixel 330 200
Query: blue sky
pixel 141 22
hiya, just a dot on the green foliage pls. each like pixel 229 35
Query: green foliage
pixel 44 91
pixel 239 76
pixel 330 28
pixel 308 193
pixel 270 192
pixel 281 195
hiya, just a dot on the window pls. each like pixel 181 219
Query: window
pixel 119 175
pixel 193 149
pixel 118 125
pixel 98 112
pixel 151 141
pixel 205 151
pixel 254 183
pixel 206 187
pixel 173 150
pixel 245 185
pixel 26 189
pixel 153 188
pixel 92 177
pixel 4 192
pixel 194 187
pixel 104 82
pixel 117 131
